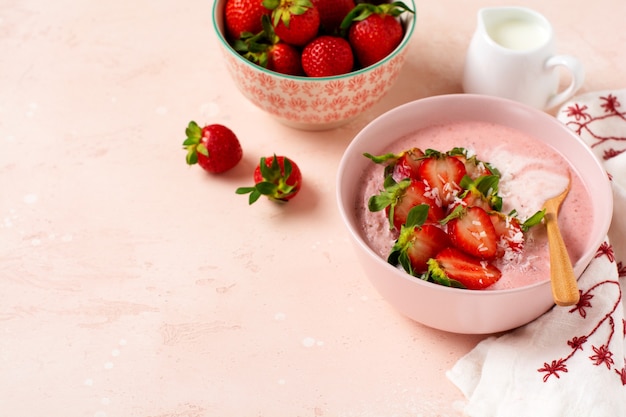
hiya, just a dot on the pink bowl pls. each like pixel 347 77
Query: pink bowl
pixel 313 103
pixel 452 309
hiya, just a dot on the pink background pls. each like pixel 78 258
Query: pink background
pixel 133 285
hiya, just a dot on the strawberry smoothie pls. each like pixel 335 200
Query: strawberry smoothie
pixel 531 172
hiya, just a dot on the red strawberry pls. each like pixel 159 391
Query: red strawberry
pixel 214 147
pixel 276 177
pixel 399 198
pixel 443 174
pixel 243 16
pixel 413 195
pixel 374 31
pixel 417 243
pixel 510 236
pixel 481 192
pixel 326 56
pixel 471 273
pixel 475 168
pixel 470 230
pixel 332 12
pixel 284 58
pixel 401 165
pixel 266 49
pixel 295 22
pixel 407 165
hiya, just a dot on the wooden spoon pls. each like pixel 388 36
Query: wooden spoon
pixel 564 286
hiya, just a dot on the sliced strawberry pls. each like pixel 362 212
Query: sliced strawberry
pixel 399 198
pixel 510 236
pixel 452 266
pixel 470 230
pixel 413 195
pixel 475 168
pixel 481 192
pixel 417 243
pixel 442 174
pixel 400 165
pixel 407 165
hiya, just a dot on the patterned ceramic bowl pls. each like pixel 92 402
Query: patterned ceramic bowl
pixel 313 103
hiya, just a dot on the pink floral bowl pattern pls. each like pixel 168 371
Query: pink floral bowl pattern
pixel 313 103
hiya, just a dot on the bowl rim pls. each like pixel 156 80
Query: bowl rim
pixel 356 236
pixel 409 21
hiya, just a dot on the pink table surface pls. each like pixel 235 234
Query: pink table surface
pixel 133 285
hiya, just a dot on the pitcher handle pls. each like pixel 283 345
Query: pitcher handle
pixel 577 73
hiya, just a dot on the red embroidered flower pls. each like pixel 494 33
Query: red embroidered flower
pixel 603 356
pixel 606 249
pixel 583 303
pixel 611 103
pixel 577 112
pixel 577 342
pixel 611 153
pixel 553 369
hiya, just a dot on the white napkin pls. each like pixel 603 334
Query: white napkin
pixel 570 361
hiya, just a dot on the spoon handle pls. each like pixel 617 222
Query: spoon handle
pixel 564 286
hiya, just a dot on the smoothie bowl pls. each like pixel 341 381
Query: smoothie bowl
pixel 522 156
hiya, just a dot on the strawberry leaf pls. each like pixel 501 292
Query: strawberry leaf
pixel 417 215
pixel 193 131
pixel 382 159
pixel 437 275
pixel 405 262
pixel 266 187
pixel 192 156
pixel 202 149
pixel 533 220
pixel 388 196
pixel 255 194
pixel 457 212
pixel 192 143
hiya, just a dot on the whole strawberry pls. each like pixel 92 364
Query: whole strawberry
pixel 284 58
pixel 374 30
pixel 295 22
pixel 214 147
pixel 276 177
pixel 243 16
pixel 332 13
pixel 326 56
pixel 267 50
pixel 417 242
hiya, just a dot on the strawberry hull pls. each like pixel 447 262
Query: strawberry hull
pixel 497 308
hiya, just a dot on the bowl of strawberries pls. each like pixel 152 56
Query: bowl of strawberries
pixel 314 64
pixel 444 200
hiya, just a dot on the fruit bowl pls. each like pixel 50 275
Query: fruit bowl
pixel 462 310
pixel 308 103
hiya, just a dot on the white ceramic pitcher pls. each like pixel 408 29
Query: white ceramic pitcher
pixel 512 55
